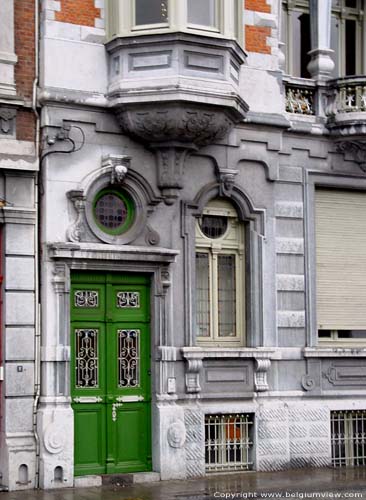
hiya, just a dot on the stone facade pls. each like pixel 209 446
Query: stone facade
pixel 177 119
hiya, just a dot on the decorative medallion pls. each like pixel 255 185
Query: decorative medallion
pixel 176 434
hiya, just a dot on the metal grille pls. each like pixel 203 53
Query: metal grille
pixel 86 298
pixel 348 436
pixel 129 358
pixel 128 300
pixel 213 226
pixel 228 442
pixel 111 211
pixel 86 357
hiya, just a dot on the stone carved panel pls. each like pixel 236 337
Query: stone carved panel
pixel 7 121
pixel 345 374
pixel 195 443
pixel 54 439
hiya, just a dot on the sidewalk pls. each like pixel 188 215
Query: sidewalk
pixel 294 484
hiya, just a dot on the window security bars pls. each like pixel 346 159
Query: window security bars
pixel 228 442
pixel 348 437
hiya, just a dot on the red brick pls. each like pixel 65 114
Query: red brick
pixel 258 6
pixel 256 39
pixel 81 12
pixel 24 24
pixel 25 125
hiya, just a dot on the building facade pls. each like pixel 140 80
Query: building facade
pixel 201 207
pixel 19 378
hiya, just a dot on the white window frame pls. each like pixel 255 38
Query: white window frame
pixel 230 243
pixel 121 20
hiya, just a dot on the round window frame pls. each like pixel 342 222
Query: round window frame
pixel 130 207
pixel 134 191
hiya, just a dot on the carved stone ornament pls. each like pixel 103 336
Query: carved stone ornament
pixel 227 181
pixel 357 149
pixel 54 439
pixel 174 131
pixel 260 375
pixel 119 164
pixel 176 434
pixel 7 116
pixel 307 382
pixel 76 231
pixel 182 122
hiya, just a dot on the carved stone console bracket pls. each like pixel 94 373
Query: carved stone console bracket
pixel 119 165
pixel 173 131
pixel 194 366
pixel 76 231
pixel 357 149
pixel 260 376
pixel 227 180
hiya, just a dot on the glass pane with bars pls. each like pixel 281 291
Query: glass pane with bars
pixel 203 294
pixel 348 438
pixel 86 358
pixel 226 295
pixel 228 442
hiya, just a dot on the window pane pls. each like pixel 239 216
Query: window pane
pixel 352 4
pixel 350 47
pixel 203 294
pixel 227 295
pixel 334 44
pixel 202 12
pixel 151 11
pixel 213 226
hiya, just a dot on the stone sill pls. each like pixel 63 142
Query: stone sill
pixel 227 352
pixel 335 352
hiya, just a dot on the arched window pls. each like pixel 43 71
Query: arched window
pixel 220 314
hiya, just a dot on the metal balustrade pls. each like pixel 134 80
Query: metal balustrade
pixel 348 438
pixel 228 442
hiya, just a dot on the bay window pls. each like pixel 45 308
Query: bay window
pixel 219 276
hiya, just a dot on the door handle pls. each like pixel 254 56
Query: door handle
pixel 114 410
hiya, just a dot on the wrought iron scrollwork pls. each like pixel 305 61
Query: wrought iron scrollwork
pixel 128 358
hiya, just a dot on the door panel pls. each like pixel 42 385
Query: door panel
pixel 110 345
pixel 90 439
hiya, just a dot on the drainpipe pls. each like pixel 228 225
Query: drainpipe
pixel 37 339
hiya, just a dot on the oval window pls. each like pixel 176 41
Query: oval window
pixel 113 211
pixel 213 226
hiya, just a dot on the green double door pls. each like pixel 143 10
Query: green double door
pixel 110 372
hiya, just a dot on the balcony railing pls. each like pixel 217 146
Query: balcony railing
pixel 346 95
pixel 299 96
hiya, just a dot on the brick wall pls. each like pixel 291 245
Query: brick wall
pixel 258 6
pixel 81 12
pixel 24 25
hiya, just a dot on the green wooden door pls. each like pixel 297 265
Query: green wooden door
pixel 110 372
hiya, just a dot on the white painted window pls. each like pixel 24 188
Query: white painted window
pixel 346 40
pixel 340 227
pixel 228 442
pixel 348 436
pixel 219 263
pixel 222 18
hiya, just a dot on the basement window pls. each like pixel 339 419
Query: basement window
pixel 228 442
pixel 348 428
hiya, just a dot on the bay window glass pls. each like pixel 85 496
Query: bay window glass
pixel 202 12
pixel 151 12
pixel 219 264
